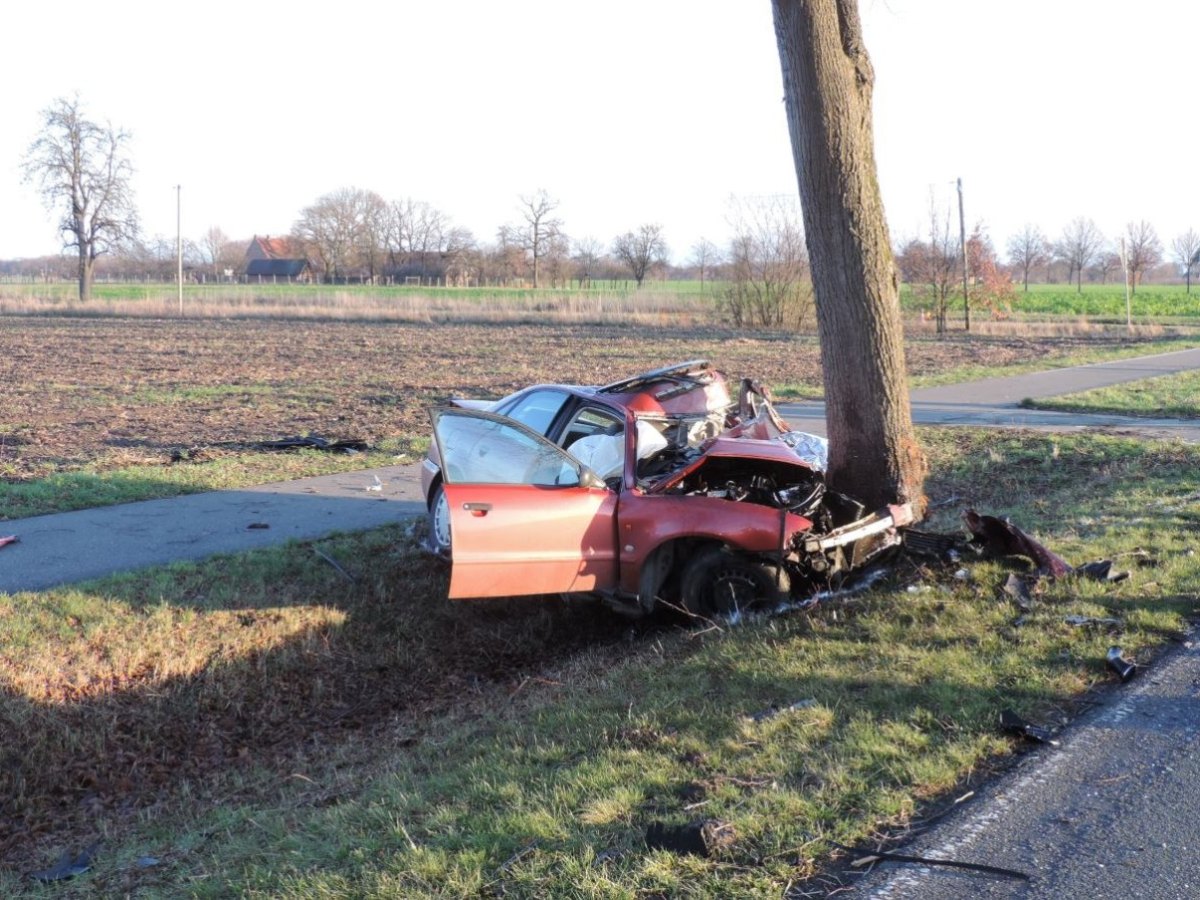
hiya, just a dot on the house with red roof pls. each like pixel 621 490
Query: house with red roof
pixel 276 259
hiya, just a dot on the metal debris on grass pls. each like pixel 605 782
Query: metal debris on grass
pixel 1011 723
pixel 1117 663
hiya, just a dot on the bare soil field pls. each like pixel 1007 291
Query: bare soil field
pixel 107 392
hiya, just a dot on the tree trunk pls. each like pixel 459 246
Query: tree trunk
pixel 827 80
pixel 85 276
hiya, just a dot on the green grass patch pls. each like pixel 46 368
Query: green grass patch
pixel 1174 396
pixel 90 486
pixel 321 737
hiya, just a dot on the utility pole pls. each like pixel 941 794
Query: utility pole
pixel 1128 299
pixel 179 244
pixel 962 238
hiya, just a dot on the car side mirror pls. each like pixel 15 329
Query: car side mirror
pixel 589 479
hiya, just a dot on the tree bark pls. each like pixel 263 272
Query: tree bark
pixel 828 79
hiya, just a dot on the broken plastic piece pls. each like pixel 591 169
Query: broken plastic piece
pixel 10 539
pixel 1002 538
pixel 1011 723
pixel 68 866
pixel 772 711
pixel 1101 570
pixel 1119 664
pixel 1017 589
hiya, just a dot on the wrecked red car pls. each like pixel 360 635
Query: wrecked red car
pixel 661 488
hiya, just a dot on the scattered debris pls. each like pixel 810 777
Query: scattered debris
pixel 311 443
pixel 1101 570
pixel 1020 591
pixel 68 866
pixel 704 837
pixel 1011 723
pixel 772 711
pixel 1093 621
pixel 932 544
pixel 1117 663
pixel 333 562
pixel 258 526
pixel 10 539
pixel 1001 538
pixel 881 856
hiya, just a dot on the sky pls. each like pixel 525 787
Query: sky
pixel 626 112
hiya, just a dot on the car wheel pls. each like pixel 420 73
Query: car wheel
pixel 719 581
pixel 439 521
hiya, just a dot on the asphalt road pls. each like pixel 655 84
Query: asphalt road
pixel 1111 813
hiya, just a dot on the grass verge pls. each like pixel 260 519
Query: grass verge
pixel 264 726
pixel 94 485
pixel 1173 396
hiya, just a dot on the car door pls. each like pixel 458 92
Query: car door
pixel 525 516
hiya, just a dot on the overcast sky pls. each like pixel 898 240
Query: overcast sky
pixel 627 111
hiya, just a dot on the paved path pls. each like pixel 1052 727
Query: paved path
pixel 70 547
pixel 995 401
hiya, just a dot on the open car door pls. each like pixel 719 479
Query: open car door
pixel 526 517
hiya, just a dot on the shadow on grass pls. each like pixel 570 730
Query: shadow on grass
pixel 285 657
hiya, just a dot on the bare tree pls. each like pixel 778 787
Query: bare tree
pixel 705 257
pixel 1028 249
pixel 536 229
pixel 827 81
pixel 331 229
pixel 1186 253
pixel 83 169
pixel 587 256
pixel 769 274
pixel 217 250
pixel 639 250
pixel 1106 263
pixel 933 265
pixel 417 235
pixel 1143 251
pixel 1080 242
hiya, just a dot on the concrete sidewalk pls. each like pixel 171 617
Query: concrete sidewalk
pixel 68 547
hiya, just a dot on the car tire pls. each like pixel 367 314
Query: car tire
pixel 720 581
pixel 439 521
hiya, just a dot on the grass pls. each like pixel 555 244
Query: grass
pixel 265 727
pixel 1174 396
pixel 92 486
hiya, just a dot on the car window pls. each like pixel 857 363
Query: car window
pixel 590 421
pixel 478 450
pixel 536 410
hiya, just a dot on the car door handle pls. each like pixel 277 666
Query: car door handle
pixel 478 509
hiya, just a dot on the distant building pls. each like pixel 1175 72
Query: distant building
pixel 277 259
